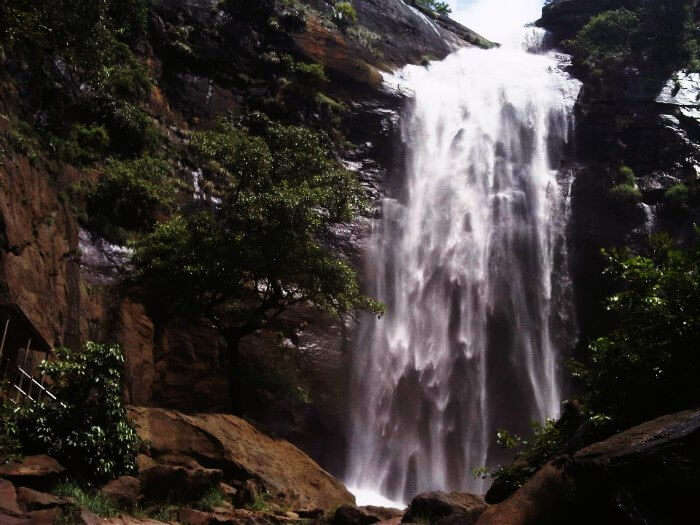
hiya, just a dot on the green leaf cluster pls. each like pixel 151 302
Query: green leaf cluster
pixel 659 35
pixel 129 197
pixel 437 6
pixel 344 15
pixel 647 362
pixel 83 72
pixel 255 244
pixel 86 430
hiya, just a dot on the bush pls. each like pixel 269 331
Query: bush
pixel 131 131
pixel 9 433
pixel 442 8
pixel 626 193
pixel 607 37
pixel 85 144
pixel 677 197
pixel 86 430
pixel 647 363
pixel 344 15
pixel 129 196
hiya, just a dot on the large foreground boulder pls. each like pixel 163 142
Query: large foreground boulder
pixel 648 474
pixel 445 507
pixel 221 441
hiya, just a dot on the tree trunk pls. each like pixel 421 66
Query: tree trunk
pixel 233 368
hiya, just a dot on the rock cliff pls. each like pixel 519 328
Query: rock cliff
pixel 66 278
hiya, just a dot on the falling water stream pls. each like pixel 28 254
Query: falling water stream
pixel 470 260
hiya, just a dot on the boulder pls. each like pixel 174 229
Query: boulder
pixel 287 475
pixel 48 516
pixel 31 499
pixel 8 498
pixel 32 471
pixel 351 515
pixel 445 507
pixel 383 513
pixel 124 492
pixel 162 482
pixel 647 474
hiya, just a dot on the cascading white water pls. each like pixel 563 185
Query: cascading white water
pixel 470 260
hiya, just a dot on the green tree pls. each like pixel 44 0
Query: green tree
pixel 255 246
pixel 648 362
pixel 442 8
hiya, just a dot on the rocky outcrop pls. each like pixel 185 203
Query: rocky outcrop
pixel 32 471
pixel 200 62
pixel 242 453
pixel 565 17
pixel 351 515
pixel 647 474
pixel 124 492
pixel 445 508
pixel 633 113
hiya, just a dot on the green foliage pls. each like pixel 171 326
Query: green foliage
pixel 607 38
pixel 85 144
pixel 365 38
pixel 547 441
pixel 87 430
pixel 626 191
pixel 129 196
pixel 344 15
pixel 659 36
pixel 442 8
pixel 83 498
pixel 259 251
pixel 647 362
pixel 10 446
pixel 677 197
pixel 131 131
pixel 82 70
pixel 211 499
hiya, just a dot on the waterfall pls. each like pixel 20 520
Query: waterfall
pixel 469 258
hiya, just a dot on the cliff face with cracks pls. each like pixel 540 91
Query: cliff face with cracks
pixel 67 279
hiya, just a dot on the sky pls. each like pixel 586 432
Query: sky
pixel 494 18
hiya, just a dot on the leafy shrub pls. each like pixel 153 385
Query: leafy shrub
pixel 129 196
pixel 87 429
pixel 9 432
pixel 626 193
pixel 677 197
pixel 442 8
pixel 607 37
pixel 365 38
pixel 131 131
pixel 85 144
pixel 83 498
pixel 344 15
pixel 647 363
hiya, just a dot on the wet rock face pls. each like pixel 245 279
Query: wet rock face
pixel 647 474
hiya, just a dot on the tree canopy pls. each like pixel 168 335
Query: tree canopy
pixel 253 243
pixel 648 361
